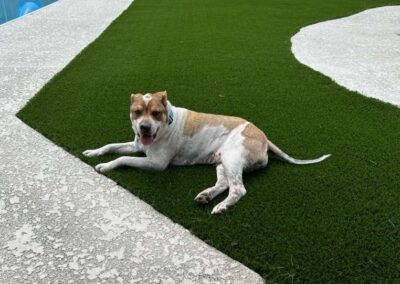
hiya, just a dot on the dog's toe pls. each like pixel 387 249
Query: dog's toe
pixel 202 198
pixel 90 153
pixel 102 168
pixel 98 167
pixel 219 208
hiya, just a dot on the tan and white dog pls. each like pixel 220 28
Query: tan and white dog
pixel 177 136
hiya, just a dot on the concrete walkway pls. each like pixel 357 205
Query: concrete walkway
pixel 360 52
pixel 60 221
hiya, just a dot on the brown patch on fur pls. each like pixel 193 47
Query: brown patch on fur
pixel 255 142
pixel 137 105
pixel 156 108
pixel 161 96
pixel 197 120
pixel 136 96
pixel 158 104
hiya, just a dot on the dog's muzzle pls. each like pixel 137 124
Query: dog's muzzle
pixel 146 136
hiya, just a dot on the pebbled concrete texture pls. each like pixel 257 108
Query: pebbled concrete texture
pixel 60 221
pixel 360 52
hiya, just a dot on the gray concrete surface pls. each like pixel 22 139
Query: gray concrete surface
pixel 360 52
pixel 60 221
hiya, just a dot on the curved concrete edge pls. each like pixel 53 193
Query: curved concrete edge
pixel 60 221
pixel 360 52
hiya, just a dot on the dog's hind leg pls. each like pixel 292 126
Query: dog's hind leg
pixel 220 186
pixel 115 148
pixel 233 163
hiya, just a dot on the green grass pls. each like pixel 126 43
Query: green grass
pixel 337 221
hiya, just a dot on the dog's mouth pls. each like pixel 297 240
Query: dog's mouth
pixel 147 139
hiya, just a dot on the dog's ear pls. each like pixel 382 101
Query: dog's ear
pixel 163 97
pixel 134 97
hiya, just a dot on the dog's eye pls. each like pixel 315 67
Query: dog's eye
pixel 156 113
pixel 137 112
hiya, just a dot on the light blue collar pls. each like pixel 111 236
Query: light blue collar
pixel 170 117
pixel 170 114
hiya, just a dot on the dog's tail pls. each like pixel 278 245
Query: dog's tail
pixel 286 158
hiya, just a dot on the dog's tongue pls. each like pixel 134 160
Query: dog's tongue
pixel 146 139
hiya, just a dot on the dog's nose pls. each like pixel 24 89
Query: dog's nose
pixel 145 128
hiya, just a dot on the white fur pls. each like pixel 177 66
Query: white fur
pixel 147 99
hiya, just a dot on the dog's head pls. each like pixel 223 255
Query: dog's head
pixel 149 114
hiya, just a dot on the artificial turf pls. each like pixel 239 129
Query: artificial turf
pixel 337 221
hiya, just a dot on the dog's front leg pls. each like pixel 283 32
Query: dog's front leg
pixel 115 148
pixel 134 162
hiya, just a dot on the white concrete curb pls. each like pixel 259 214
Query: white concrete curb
pixel 60 221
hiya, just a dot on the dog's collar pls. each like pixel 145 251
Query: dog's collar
pixel 170 117
pixel 170 114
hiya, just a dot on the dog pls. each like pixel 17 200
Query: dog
pixel 178 136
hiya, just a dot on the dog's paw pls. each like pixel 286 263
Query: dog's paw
pixel 203 198
pixel 219 208
pixel 91 153
pixel 104 167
